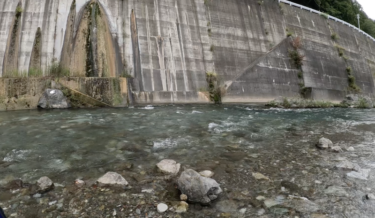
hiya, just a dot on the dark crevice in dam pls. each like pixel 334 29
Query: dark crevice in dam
pixel 10 64
pixel 35 60
pixel 137 83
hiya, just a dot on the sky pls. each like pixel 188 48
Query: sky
pixel 369 7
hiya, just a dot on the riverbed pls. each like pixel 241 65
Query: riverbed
pixel 233 141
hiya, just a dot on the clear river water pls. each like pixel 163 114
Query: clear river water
pixel 234 141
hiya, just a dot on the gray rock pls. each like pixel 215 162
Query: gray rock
pixel 45 184
pixel 206 173
pixel 169 166
pixel 362 174
pixel 302 205
pixel 198 188
pixel 53 99
pixel 336 191
pixel 324 143
pixel 350 149
pixel 361 101
pixel 162 207
pixel 347 165
pixel 112 178
pixel 370 196
pixel 336 148
pixel 274 201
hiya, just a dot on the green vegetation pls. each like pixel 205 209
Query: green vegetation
pixel 346 10
pixel 324 15
pixel 334 37
pixel 362 103
pixel 18 11
pixel 300 75
pixel 214 89
pixel 212 48
pixel 57 70
pixel 33 72
pixel 289 34
pixel 125 74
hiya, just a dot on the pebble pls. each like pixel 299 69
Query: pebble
pixel 243 210
pixel 206 173
pixel 350 149
pixel 183 197
pixel 336 148
pixel 370 196
pixel 162 207
pixel 79 183
pixel 37 195
pixel 261 212
pixel 260 176
pixel 112 178
pixel 261 198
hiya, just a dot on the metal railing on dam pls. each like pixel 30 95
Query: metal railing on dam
pixel 329 16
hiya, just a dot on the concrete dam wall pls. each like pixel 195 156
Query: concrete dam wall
pixel 165 48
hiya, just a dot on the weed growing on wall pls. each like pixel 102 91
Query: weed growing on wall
pixel 297 61
pixel 334 37
pixel 57 70
pixel 352 86
pixel 214 89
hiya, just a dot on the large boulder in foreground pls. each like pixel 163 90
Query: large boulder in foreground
pixel 198 189
pixel 53 99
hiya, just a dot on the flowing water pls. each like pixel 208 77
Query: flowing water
pixel 234 141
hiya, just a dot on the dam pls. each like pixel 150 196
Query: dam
pixel 163 50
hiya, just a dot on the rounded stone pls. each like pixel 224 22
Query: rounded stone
pixel 162 207
pixel 112 178
pixel 183 197
pixel 168 166
pixel 207 173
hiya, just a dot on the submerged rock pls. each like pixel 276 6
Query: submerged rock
pixel 336 191
pixel 169 166
pixel 45 184
pixel 302 205
pixel 112 178
pixel 53 99
pixel 361 174
pixel 347 165
pixel 336 148
pixel 324 143
pixel 198 188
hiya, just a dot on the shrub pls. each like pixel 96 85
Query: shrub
pixel 33 72
pixel 212 48
pixel 296 58
pixel 57 70
pixel 300 75
pixel 324 15
pixel 334 36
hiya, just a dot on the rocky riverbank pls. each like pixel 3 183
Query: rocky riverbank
pixel 351 101
pixel 172 193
